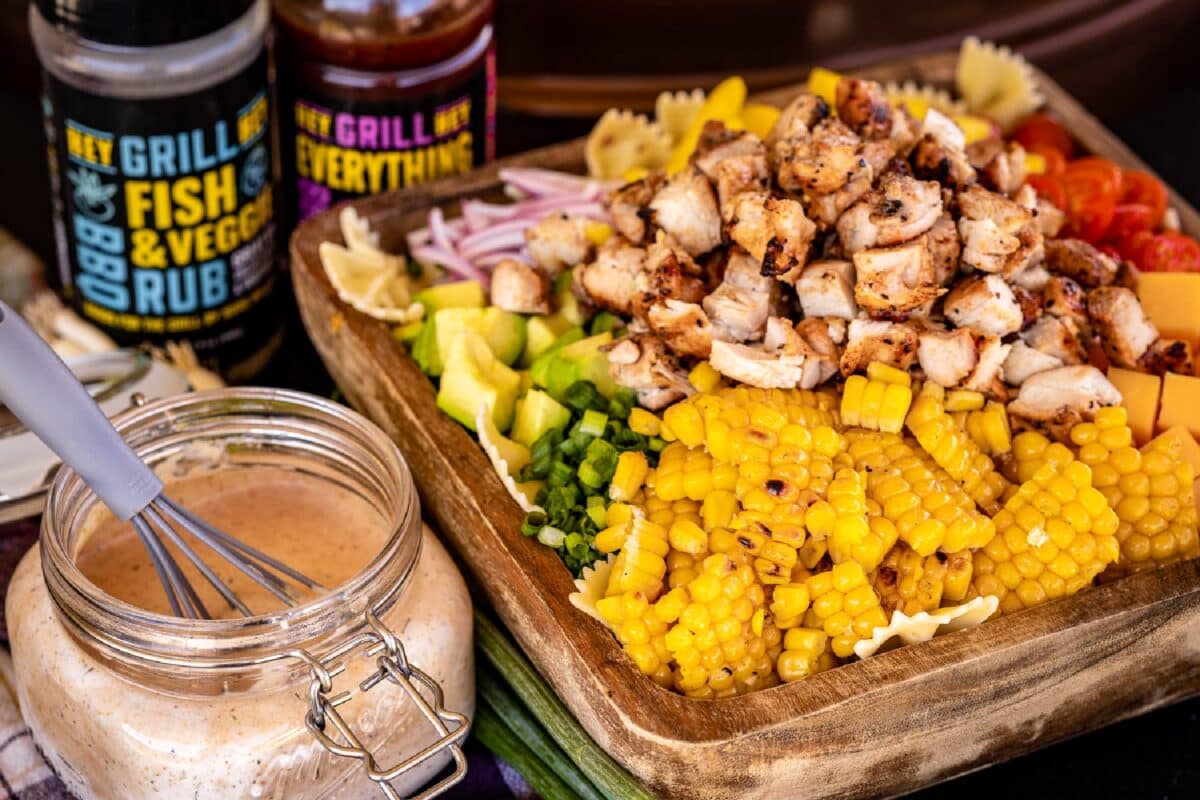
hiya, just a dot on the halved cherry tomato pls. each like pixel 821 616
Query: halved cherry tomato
pixel 1050 188
pixel 1128 219
pixel 1170 252
pixel 1090 204
pixel 1102 167
pixel 1142 187
pixel 1040 129
pixel 1056 162
pixel 1130 247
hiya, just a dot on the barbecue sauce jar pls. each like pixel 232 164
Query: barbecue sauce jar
pixel 377 95
pixel 158 125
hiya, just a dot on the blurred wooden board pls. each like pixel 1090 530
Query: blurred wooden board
pixel 879 727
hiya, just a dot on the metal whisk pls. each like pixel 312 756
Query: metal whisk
pixel 39 390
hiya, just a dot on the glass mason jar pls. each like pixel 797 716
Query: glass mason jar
pixel 130 704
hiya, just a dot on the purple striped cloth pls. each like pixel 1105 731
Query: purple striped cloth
pixel 24 774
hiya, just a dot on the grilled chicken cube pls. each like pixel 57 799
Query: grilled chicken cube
pixel 826 289
pixel 687 209
pixel 1005 172
pixel 947 357
pixel 984 304
pixel 900 208
pixel 1167 355
pixel 669 274
pixel 862 105
pixel 1050 218
pixel 616 277
pixel 739 307
pixel 1032 279
pixel 1023 361
pixel 739 175
pixel 629 208
pixel 893 343
pixel 1057 399
pixel 520 288
pixel 998 234
pixel 945 131
pixel 1081 262
pixel 1050 335
pixel 641 362
pixel 988 375
pixel 683 327
pixel 558 242
pixel 798 118
pixel 773 230
pixel 933 160
pixel 895 279
pixel 821 163
pixel 944 249
pixel 1065 298
pixel 821 338
pixel 1124 329
pixel 754 366
pixel 717 143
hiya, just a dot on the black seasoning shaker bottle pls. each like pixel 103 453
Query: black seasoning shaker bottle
pixel 159 137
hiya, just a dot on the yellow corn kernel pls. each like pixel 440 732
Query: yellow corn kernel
pixel 886 373
pixel 704 378
pixel 852 399
pixel 613 537
pixel 845 605
pixel 804 651
pixel 597 232
pixel 964 400
pixel 629 476
pixel 643 422
pixel 687 537
pixel 686 423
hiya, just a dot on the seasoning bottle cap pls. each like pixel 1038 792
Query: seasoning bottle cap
pixel 142 23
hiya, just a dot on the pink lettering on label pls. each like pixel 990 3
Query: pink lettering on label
pixel 368 130
pixel 344 129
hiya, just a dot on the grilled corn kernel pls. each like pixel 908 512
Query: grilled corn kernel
pixel 629 476
pixel 804 651
pixel 886 373
pixel 704 377
pixel 909 582
pixel 964 400
pixel 643 422
pixel 846 606
pixel 876 403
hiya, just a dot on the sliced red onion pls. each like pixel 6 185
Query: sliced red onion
pixel 540 182
pixel 490 260
pixel 451 261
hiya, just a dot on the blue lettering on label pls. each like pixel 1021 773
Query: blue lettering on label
pixel 214 284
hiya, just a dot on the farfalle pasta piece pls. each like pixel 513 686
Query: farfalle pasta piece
pixel 590 587
pixel 507 458
pixel 675 111
pixel 623 141
pixel 379 291
pixel 924 625
pixel 996 82
pixel 919 98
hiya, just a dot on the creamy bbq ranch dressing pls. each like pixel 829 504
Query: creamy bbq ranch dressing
pixel 126 702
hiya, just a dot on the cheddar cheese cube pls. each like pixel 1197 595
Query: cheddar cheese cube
pixel 1139 394
pixel 1172 301
pixel 1188 447
pixel 1180 404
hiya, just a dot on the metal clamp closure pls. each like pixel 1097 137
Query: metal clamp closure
pixel 326 724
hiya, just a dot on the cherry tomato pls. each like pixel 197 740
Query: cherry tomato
pixel 1050 188
pixel 1142 187
pixel 1130 248
pixel 1056 163
pixel 1128 219
pixel 1040 129
pixel 1170 252
pixel 1090 204
pixel 1096 165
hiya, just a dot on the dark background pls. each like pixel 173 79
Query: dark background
pixel 1135 64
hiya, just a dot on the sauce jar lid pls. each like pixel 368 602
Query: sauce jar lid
pixel 142 23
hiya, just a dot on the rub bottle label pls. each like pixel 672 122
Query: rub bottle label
pixel 341 147
pixel 164 213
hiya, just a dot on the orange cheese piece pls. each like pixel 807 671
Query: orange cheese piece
pixel 1172 301
pixel 1180 403
pixel 1188 447
pixel 1139 394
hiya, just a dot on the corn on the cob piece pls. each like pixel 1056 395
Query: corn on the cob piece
pixel 1052 538
pixel 629 475
pixel 954 450
pixel 841 519
pixel 844 606
pixel 1031 450
pixel 964 400
pixel 909 582
pixel 704 378
pixel 806 651
pixel 643 422
pixel 875 404
pixel 989 428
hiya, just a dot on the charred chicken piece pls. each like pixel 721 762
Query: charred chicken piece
pixel 683 327
pixel 773 230
pixel 629 208
pixel 822 163
pixel 862 105
pixel 900 208
pixel 893 343
pixel 1057 399
pixel 893 280
pixel 944 249
pixel 687 209
pixel 933 159
pixel 642 363
pixel 799 118
pixel 947 357
pixel 558 242
pixel 739 307
pixel 1005 172
pixel 988 375
pixel 520 288
pixel 670 274
pixel 616 278
pixel 1124 329
pixel 821 339
pixel 1065 298
pixel 826 289
pixel 985 304
pixel 1167 355
pixel 1050 335
pixel 998 235
pixel 1023 361
pixel 755 366
pixel 717 143
pixel 1081 262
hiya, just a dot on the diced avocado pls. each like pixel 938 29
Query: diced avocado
pixel 504 332
pixel 473 376
pixel 604 321
pixel 447 326
pixel 460 294
pixel 423 347
pixel 408 332
pixel 566 302
pixel 581 360
pixel 542 362
pixel 538 412
pixel 540 335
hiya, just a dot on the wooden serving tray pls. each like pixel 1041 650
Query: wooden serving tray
pixel 879 727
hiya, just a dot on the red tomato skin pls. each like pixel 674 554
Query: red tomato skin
pixel 1044 130
pixel 1138 186
pixel 1170 252
pixel 1128 219
pixel 1050 188
pixel 1109 172
pixel 1056 162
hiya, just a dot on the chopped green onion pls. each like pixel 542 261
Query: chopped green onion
pixel 533 522
pixel 657 443
pixel 593 423
pixel 551 536
pixel 597 513
pixel 582 395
